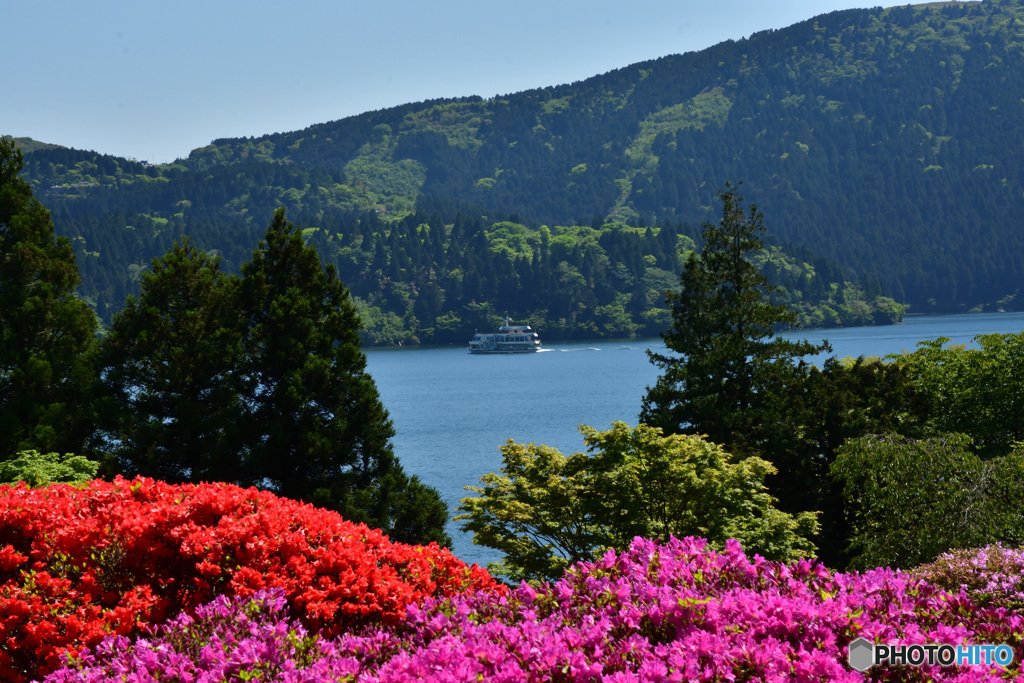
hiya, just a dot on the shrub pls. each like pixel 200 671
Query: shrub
pixel 80 563
pixel 547 511
pixel 992 575
pixel 657 612
pixel 39 469
pixel 228 639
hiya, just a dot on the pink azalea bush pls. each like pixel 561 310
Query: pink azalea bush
pixel 673 612
pixel 992 575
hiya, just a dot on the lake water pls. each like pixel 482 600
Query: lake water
pixel 452 410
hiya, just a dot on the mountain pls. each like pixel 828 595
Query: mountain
pixel 885 143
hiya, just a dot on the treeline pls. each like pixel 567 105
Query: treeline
pixel 422 277
pixel 419 280
pixel 876 138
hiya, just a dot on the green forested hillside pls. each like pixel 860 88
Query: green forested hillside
pixel 884 143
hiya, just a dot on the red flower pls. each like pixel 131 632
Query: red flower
pixel 78 564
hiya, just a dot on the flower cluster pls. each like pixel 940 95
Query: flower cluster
pixel 227 639
pixel 673 612
pixel 992 575
pixel 80 563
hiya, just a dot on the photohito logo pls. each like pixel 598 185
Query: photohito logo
pixel 862 654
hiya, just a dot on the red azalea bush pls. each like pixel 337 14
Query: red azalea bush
pixel 80 563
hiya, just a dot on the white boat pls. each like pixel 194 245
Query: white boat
pixel 508 339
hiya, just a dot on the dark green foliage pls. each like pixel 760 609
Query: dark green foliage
pixel 168 370
pixel 257 379
pixel 751 391
pixel 47 335
pixel 313 427
pixel 732 368
pixel 874 137
pixel 908 501
pixel 818 413
pixel 437 277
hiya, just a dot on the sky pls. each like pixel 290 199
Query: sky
pixel 152 80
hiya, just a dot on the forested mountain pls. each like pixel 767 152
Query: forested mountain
pixel 884 142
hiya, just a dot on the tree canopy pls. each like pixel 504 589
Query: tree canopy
pixel 313 426
pixel 910 500
pixel 731 366
pixel 168 370
pixel 47 335
pixel 546 511
pixel 972 390
pixel 257 379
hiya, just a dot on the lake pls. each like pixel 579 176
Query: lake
pixel 452 410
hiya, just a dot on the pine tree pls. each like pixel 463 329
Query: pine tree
pixel 168 371
pixel 315 428
pixel 47 334
pixel 731 367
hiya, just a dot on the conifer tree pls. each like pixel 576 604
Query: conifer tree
pixel 726 379
pixel 734 380
pixel 47 334
pixel 168 372
pixel 315 428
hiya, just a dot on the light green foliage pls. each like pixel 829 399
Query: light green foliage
pixel 546 511
pixel 39 469
pixel 646 484
pixel 383 179
pixel 382 328
pixel 707 108
pixel 908 501
pixel 458 122
pixel 615 319
pixel 531 512
pixel 973 390
pixel 512 240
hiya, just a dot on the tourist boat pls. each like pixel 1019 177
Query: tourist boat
pixel 508 339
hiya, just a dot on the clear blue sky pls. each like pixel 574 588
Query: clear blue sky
pixel 153 80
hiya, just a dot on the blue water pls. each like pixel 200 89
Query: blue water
pixel 452 410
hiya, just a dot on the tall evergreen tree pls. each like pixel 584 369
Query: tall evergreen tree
pixel 726 380
pixel 747 389
pixel 168 371
pixel 315 428
pixel 47 334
